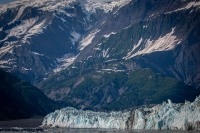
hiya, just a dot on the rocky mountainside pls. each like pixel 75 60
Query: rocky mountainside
pixel 165 116
pixel 39 38
pixel 118 90
pixel 95 53
pixel 20 99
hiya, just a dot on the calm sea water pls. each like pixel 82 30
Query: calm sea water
pixel 67 130
pixel 72 130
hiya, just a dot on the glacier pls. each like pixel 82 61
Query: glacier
pixel 73 118
pixel 165 116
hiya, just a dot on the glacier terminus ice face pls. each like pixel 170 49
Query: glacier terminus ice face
pixel 172 116
pixel 73 118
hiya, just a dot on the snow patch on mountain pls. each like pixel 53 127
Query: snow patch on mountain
pixel 75 37
pixel 107 36
pixel 163 43
pixel 35 26
pixel 25 69
pixel 64 62
pixel 60 5
pixel 105 53
pixel 193 4
pixel 129 55
pixel 88 39
pixel 44 5
pixel 111 70
pixel 105 5
pixel 5 63
pixel 26 29
pixel 35 30
pixel 6 49
pixel 190 5
pixel 162 116
pixel 20 11
pixel 21 29
pixel 35 53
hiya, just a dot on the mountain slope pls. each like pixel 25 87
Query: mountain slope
pixel 167 42
pixel 117 90
pixel 20 100
pixel 59 45
pixel 34 39
pixel 40 38
pixel 163 38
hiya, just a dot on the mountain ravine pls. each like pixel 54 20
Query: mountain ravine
pixel 104 54
pixel 20 99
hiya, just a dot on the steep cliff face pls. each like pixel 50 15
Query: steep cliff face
pixel 163 116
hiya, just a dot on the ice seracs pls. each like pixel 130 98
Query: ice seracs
pixel 185 116
pixel 73 118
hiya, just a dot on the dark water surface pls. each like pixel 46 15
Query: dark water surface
pixel 22 123
pixel 31 126
pixel 75 130
pixel 67 130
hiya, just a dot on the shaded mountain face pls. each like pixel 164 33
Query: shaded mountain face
pixel 20 99
pixel 62 44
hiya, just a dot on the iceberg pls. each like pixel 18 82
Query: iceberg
pixel 165 116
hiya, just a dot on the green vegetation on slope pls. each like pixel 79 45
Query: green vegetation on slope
pixel 120 90
pixel 19 99
pixel 109 90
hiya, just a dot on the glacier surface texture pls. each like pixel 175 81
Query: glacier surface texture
pixel 172 116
